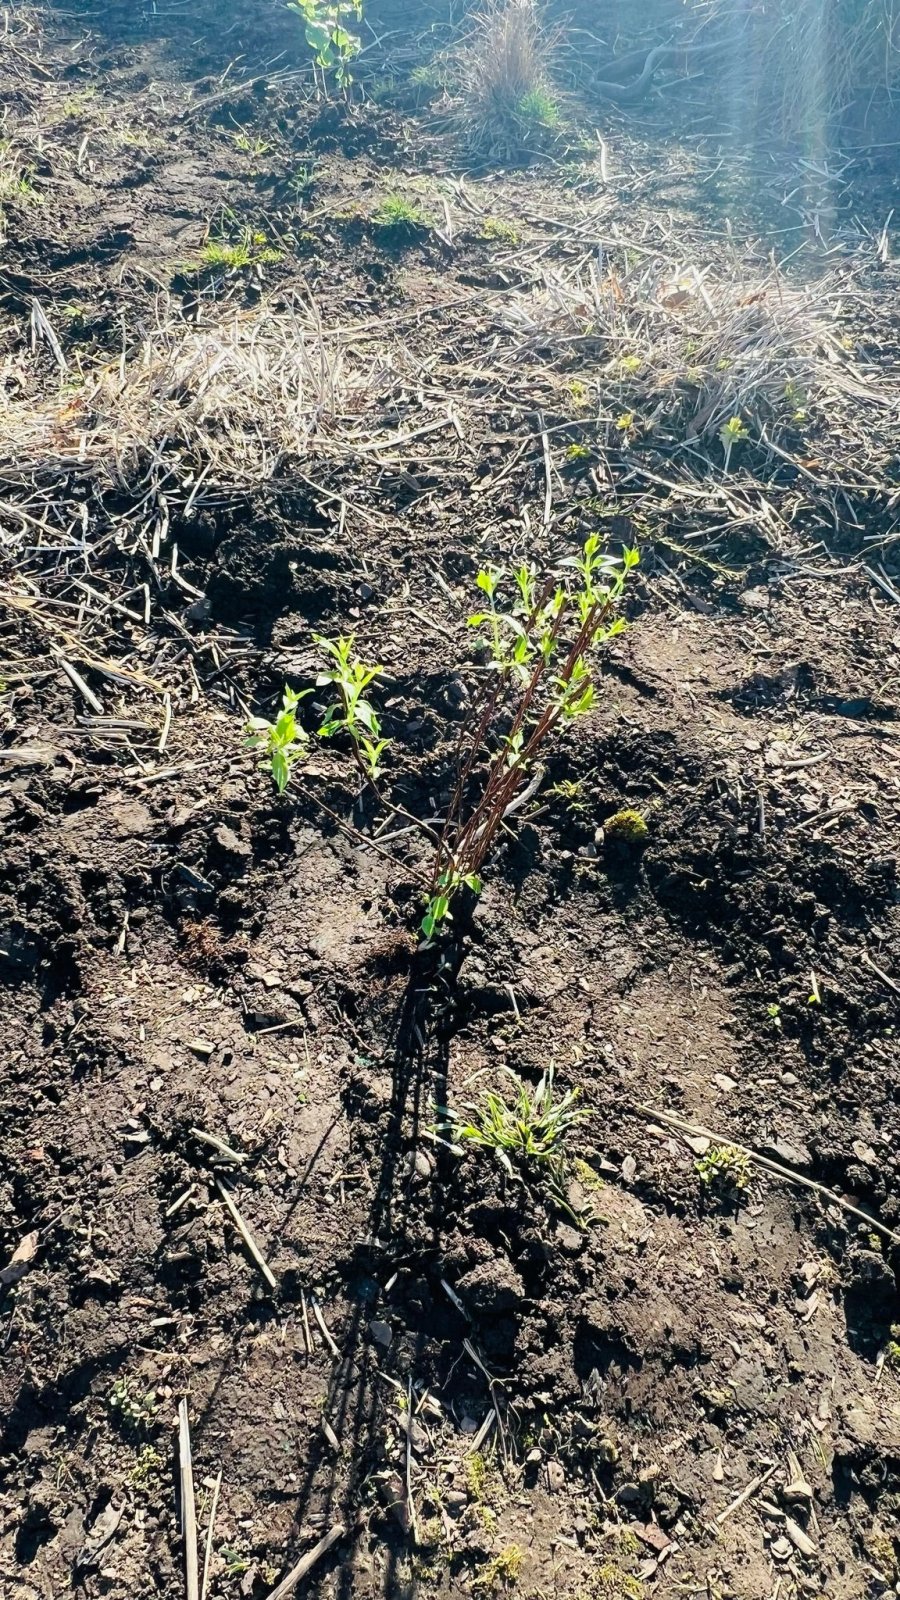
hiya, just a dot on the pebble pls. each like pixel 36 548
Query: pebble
pixel 790 1080
pixel 381 1333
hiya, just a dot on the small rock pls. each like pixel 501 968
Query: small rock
pixel 455 1501
pixel 628 1494
pixel 629 1169
pixel 231 844
pixel 202 1047
pixel 723 1082
pixel 781 1549
pixel 790 1080
pixel 792 1155
pixel 535 1456
pixel 555 1475
pixel 382 1333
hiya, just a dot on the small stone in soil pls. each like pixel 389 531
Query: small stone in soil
pixel 381 1333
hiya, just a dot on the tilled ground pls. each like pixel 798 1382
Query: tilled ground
pixel 486 1384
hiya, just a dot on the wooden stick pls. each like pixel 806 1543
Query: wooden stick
pixel 324 1331
pixel 215 1143
pixel 751 1488
pixel 247 1237
pixel 769 1166
pixel 307 1335
pixel 868 962
pixel 207 1555
pixel 188 1507
pixel 307 1562
pixel 75 678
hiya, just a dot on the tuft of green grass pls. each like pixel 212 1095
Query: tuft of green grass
pixel 395 212
pixel 538 107
pixel 251 250
pixel 530 1128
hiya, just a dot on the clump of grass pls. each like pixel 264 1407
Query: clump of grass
pixel 609 1582
pixel 496 229
pixel 252 249
pixel 502 1570
pixel 724 1170
pixel 395 212
pixel 719 355
pixel 628 827
pixel 528 1129
pixel 538 107
pixel 806 63
pixel 504 98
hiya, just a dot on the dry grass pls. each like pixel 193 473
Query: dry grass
pixel 230 401
pixel 808 62
pixel 504 98
pixel 673 356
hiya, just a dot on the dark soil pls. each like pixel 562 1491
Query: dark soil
pixel 183 950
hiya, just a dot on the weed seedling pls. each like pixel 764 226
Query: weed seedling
pixel 495 229
pixel 282 743
pixel 147 1467
pixel 250 250
pixel 396 213
pixel 530 1129
pixel 724 1170
pixel 351 713
pixel 731 433
pixel 134 1413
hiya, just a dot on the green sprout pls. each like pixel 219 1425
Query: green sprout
pixel 251 250
pixel 351 713
pixel 530 1128
pixel 332 44
pixel 281 742
pixel 135 1413
pixel 497 229
pixel 724 1168
pixel 540 635
pixel 731 433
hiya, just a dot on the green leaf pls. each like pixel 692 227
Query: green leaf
pixel 473 882
pixel 280 770
pixel 318 37
pixel 427 924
